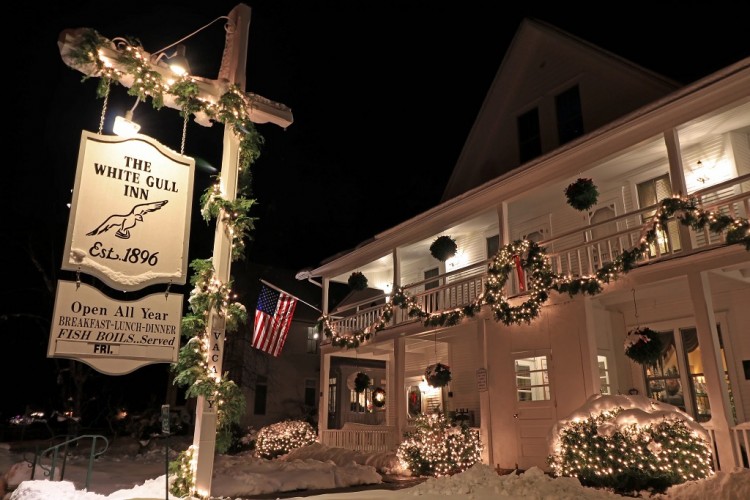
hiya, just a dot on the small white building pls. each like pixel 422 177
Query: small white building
pixel 559 109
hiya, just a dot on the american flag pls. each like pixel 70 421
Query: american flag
pixel 272 319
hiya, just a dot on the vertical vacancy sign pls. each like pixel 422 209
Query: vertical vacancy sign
pixel 129 226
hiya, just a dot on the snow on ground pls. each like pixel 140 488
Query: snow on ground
pixel 123 474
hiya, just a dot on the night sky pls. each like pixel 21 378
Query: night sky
pixel 383 96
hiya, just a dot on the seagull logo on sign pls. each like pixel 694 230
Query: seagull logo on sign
pixel 125 222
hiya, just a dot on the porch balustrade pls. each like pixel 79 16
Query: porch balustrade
pixel 364 440
pixel 574 253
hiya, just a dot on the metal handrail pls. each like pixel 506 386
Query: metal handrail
pixel 50 471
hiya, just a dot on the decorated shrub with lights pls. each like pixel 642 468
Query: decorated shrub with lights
pixel 630 443
pixel 439 447
pixel 280 438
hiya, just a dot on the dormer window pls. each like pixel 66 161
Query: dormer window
pixel 569 116
pixel 529 135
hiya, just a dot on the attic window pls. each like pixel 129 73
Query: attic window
pixel 569 115
pixel 529 135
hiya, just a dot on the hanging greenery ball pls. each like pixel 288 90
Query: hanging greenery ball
pixel 582 194
pixel 357 281
pixel 643 346
pixel 361 382
pixel 437 375
pixel 443 248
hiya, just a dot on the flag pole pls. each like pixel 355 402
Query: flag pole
pixel 282 291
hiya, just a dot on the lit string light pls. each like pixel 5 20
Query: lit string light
pixel 541 279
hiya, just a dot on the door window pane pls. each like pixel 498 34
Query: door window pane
pixel 603 375
pixel 532 379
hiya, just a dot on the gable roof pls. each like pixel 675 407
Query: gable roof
pixel 542 61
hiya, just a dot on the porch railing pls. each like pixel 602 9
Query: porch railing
pixel 740 435
pixel 579 252
pixel 366 440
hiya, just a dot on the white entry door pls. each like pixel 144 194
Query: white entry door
pixel 535 412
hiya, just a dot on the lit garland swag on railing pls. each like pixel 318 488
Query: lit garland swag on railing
pixel 541 278
pixel 208 294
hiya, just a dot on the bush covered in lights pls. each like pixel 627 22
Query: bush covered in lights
pixel 280 438
pixel 629 444
pixel 439 447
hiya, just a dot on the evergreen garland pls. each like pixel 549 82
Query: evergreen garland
pixel 542 279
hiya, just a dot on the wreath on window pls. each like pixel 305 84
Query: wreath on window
pixel 443 248
pixel 437 375
pixel 357 281
pixel 378 397
pixel 643 346
pixel 361 382
pixel 582 194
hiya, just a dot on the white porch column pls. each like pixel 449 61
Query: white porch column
pixel 589 351
pixel 677 179
pixel 485 412
pixel 713 369
pixel 502 215
pixel 325 370
pixel 397 392
pixel 396 256
pixel 325 365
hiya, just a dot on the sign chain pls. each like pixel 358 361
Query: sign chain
pixel 184 132
pixel 78 278
pixel 104 106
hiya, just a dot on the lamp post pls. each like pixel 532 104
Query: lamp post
pixel 233 71
pixel 231 74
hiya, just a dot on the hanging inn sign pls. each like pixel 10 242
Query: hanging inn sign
pixel 129 226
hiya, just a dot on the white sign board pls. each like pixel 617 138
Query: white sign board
pixel 481 379
pixel 130 216
pixel 114 337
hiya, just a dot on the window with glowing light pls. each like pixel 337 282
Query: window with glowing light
pixel 604 385
pixel 312 340
pixel 678 378
pixel 331 396
pixel 650 193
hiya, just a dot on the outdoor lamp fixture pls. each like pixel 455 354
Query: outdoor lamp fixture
pixel 125 126
pixel 178 63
